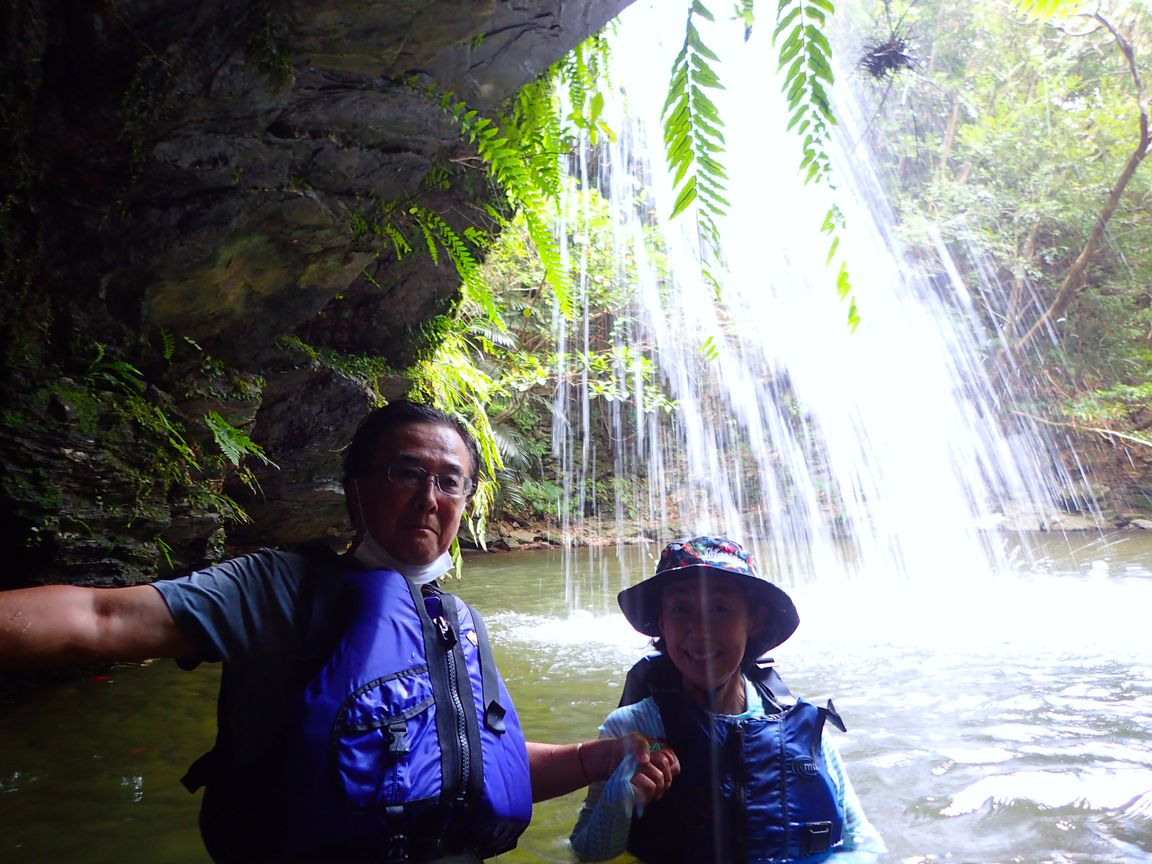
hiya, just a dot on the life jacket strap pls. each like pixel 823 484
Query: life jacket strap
pixel 834 717
pixel 817 838
pixel 774 693
pixel 201 772
pixel 494 712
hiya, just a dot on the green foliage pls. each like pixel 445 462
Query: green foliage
pixel 233 443
pixel 694 129
pixel 167 345
pixel 1114 403
pixel 365 371
pixel 112 384
pixel 807 55
pixel 516 159
pixel 165 551
pixel 117 373
pixel 266 49
pixel 1008 149
pixel 537 500
pixel 583 74
pixel 694 132
pixel 438 233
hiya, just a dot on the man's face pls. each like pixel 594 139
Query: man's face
pixel 415 524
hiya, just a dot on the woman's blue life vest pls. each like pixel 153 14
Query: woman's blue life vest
pixel 406 742
pixel 751 790
pixel 400 744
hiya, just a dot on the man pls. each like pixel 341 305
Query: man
pixel 280 623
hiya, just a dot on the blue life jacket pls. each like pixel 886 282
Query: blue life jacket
pixel 750 790
pixel 406 740
pixel 402 745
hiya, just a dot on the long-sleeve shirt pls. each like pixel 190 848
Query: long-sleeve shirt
pixel 602 828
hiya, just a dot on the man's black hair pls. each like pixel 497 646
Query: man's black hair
pixel 360 453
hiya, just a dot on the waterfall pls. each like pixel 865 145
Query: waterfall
pixel 886 451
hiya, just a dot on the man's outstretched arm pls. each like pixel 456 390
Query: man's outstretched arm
pixel 60 625
pixel 558 769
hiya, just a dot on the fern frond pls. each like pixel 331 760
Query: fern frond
pixel 437 232
pixel 694 132
pixel 400 244
pixel 233 443
pixel 807 54
pixel 511 171
pixel 168 344
pixel 493 334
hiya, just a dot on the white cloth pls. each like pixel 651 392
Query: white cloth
pixel 371 554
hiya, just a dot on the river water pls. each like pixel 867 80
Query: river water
pixel 1005 718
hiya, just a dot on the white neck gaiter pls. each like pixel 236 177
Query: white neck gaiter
pixel 370 554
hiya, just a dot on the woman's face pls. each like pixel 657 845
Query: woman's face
pixel 705 624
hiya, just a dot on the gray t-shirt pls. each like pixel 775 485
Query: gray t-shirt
pixel 252 613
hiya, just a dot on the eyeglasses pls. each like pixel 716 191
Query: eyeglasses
pixel 414 477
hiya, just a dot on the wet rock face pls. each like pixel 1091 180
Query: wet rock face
pixel 186 185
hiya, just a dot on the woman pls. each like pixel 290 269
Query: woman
pixel 757 780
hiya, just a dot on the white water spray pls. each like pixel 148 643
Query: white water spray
pixel 828 451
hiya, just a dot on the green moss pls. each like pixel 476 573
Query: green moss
pixel 267 49
pixel 364 370
pixel 31 487
pixel 86 407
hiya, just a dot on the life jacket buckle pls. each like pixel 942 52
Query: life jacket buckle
pixel 817 838
pixel 447 635
pixel 398 729
pixel 396 851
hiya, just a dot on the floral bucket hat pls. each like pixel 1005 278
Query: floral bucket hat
pixel 710 555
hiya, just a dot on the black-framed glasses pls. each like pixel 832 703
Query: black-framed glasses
pixel 411 476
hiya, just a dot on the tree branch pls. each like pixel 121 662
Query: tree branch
pixel 1103 432
pixel 1074 280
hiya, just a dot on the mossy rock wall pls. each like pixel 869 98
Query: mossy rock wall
pixel 184 191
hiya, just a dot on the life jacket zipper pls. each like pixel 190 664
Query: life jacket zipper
pixel 449 640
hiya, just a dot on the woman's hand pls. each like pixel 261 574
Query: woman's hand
pixel 654 774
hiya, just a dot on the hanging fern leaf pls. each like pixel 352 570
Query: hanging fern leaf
pixel 168 344
pixel 438 234
pixel 694 132
pixel 583 73
pixel 400 244
pixel 233 443
pixel 806 53
pixel 527 189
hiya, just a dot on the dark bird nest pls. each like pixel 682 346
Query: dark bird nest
pixel 887 58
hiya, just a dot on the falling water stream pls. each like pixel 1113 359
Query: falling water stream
pixel 830 451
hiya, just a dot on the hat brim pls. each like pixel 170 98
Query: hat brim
pixel 641 604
